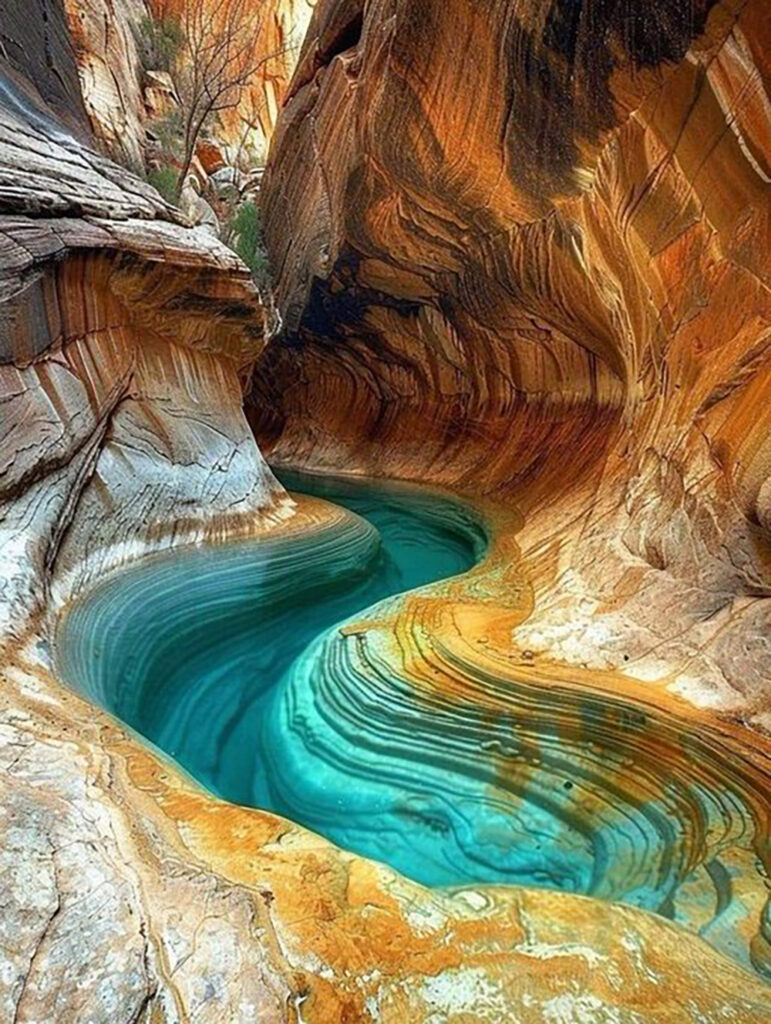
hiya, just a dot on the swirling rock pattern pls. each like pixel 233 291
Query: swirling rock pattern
pixel 130 894
pixel 123 338
pixel 523 249
pixel 388 736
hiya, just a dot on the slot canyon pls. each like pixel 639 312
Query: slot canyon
pixel 385 511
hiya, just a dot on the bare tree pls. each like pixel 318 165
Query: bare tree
pixel 218 60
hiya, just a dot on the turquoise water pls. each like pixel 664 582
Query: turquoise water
pixel 192 649
pixel 232 660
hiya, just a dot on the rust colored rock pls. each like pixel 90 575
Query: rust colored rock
pixel 524 249
pixel 160 94
pixel 94 43
pixel 275 29
pixel 210 156
pixel 519 248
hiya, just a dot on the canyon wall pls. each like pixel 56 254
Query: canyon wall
pixel 126 337
pixel 105 36
pixel 251 125
pixel 128 894
pixel 524 249
pixel 125 340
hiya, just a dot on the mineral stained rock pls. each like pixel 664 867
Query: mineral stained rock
pixel 478 302
pixel 272 30
pixel 104 39
pixel 524 248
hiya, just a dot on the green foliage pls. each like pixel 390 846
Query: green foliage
pixel 245 232
pixel 159 42
pixel 164 180
pixel 169 131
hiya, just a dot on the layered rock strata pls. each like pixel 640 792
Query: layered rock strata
pixel 526 251
pixel 127 892
pixel 104 36
pixel 99 42
pixel 124 336
pixel 241 913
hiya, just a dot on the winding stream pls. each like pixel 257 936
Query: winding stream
pixel 247 664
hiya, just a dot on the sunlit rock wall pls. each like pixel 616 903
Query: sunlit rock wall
pixel 124 341
pixel 104 39
pixel 273 30
pixel 524 248
pixel 249 128
pixel 125 337
pixel 127 893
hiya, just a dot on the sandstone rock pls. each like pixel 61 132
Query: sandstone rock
pixel 103 34
pixel 122 339
pixel 159 94
pixel 276 28
pixel 36 47
pixel 196 208
pixel 210 156
pixel 128 893
pixel 526 250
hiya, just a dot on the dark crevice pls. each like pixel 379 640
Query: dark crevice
pixel 347 38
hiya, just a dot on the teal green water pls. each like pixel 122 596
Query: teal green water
pixel 192 649
pixel 231 660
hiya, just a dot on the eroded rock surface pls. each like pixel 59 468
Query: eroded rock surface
pixel 127 893
pixel 525 248
pixel 84 58
pixel 123 337
pixel 104 36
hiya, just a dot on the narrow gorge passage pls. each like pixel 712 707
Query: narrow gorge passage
pixel 280 675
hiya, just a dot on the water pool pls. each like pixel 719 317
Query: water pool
pixel 249 664
pixel 193 648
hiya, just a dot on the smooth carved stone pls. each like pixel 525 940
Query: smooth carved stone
pixel 36 48
pixel 523 250
pixel 399 728
pixel 509 343
pixel 124 341
pixel 480 951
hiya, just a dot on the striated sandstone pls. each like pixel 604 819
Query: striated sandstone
pixel 127 892
pixel 124 337
pixel 524 250
pixel 104 37
pixel 116 96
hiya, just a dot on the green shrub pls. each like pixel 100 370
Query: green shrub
pixel 164 180
pixel 245 232
pixel 168 131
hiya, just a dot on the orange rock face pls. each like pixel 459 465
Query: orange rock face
pixel 277 28
pixel 120 99
pixel 523 249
